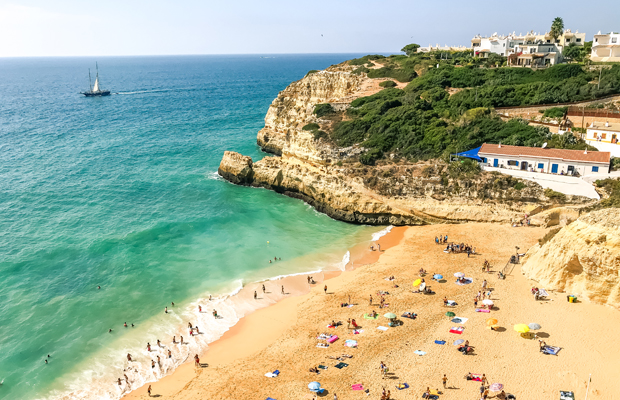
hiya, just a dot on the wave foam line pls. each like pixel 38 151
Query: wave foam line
pixel 378 235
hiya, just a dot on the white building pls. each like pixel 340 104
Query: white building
pixel 606 47
pixel 506 45
pixel 531 55
pixel 437 47
pixel 551 161
pixel 604 136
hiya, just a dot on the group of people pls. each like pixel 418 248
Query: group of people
pixel 460 248
pixel 441 239
pixel 275 259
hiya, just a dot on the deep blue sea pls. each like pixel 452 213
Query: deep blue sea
pixel 122 192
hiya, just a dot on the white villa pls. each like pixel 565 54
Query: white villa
pixel 437 47
pixel 536 49
pixel 604 136
pixel 553 161
pixel 606 47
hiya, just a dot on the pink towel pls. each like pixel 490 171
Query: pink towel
pixel 357 386
pixel 482 310
pixel 332 339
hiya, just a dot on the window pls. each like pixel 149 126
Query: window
pixel 594 169
pixel 541 165
pixel 614 40
pixel 513 162
pixel 503 44
pixel 548 41
pixel 578 40
pixel 484 160
pixel 595 40
pixel 603 135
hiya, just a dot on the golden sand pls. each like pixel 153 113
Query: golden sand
pixel 283 336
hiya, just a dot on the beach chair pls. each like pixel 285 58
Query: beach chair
pixel 551 350
pixel 566 395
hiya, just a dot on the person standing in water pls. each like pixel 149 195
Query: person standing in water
pixel 166 310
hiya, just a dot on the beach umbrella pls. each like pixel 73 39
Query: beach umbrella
pixel 438 276
pixel 422 286
pixel 521 328
pixel 496 387
pixel 534 326
pixel 457 320
pixel 390 315
pixel 458 341
pixel 491 322
pixel 459 275
pixel 487 302
pixel 450 314
pixel 417 282
pixel 314 386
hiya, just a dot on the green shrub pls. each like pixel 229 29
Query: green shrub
pixel 555 112
pixel 555 196
pixel 519 185
pixel 312 71
pixel 612 188
pixel 321 110
pixel 365 59
pixel 319 134
pixel 371 156
pixel 388 84
pixel 310 127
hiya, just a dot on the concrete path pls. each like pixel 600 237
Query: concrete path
pixel 560 183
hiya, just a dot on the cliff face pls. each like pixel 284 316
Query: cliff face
pixel 583 258
pixel 328 177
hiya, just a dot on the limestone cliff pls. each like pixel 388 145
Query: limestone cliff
pixel 332 180
pixel 583 258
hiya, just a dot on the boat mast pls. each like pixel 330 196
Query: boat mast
pixel 97 67
pixel 90 84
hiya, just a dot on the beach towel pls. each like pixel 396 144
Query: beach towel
pixel 457 329
pixel 551 350
pixel 476 377
pixel 322 345
pixel 270 398
pixel 350 343
pixel 402 386
pixel 420 352
pixel 467 282
pixel 322 367
pixel 566 395
pixel 482 310
pixel 440 341
pixel 357 331
pixel 451 303
pixel 459 320
pixel 357 386
pixel 341 365
pixel 272 374
pixel 332 339
pixel 382 328
pixel 367 316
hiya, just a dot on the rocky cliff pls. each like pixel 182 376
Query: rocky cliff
pixel 331 179
pixel 583 258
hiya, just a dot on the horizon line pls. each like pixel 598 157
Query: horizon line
pixel 197 54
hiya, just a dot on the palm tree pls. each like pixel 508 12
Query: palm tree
pixel 557 28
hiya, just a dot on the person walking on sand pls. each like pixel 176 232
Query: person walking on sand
pixel 484 285
pixel 174 339
pixel 370 303
pixel 255 295
pixel 149 390
pixel 444 380
pixel 282 289
pixel 196 361
pixel 263 289
pixel 484 379
pixel 181 340
pixel 325 289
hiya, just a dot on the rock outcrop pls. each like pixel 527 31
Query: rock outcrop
pixel 328 177
pixel 583 258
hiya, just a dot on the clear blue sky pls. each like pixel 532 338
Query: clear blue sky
pixel 141 27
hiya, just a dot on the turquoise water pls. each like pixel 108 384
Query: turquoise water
pixel 122 192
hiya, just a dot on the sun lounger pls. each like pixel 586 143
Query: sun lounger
pixel 322 367
pixel 402 386
pixel 367 316
pixel 332 339
pixel 341 365
pixel 482 310
pixel 457 329
pixel 382 328
pixel 551 350
pixel 440 341
pixel 566 395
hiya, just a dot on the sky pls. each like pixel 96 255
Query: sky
pixel 35 28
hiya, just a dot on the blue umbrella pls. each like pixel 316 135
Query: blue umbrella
pixel 437 276
pixel 314 386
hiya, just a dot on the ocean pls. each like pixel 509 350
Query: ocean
pixel 122 192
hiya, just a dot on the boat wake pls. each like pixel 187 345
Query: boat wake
pixel 152 91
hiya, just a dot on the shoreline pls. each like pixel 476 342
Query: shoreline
pixel 250 335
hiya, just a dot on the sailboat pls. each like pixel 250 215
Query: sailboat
pixel 95 90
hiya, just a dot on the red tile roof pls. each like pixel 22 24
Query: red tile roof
pixel 557 154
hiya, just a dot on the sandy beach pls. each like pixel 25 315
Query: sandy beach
pixel 283 336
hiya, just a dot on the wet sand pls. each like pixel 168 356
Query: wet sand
pixel 283 336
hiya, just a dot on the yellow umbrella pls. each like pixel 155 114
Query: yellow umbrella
pixel 417 282
pixel 491 322
pixel 521 328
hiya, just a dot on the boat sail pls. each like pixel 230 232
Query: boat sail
pixel 95 90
